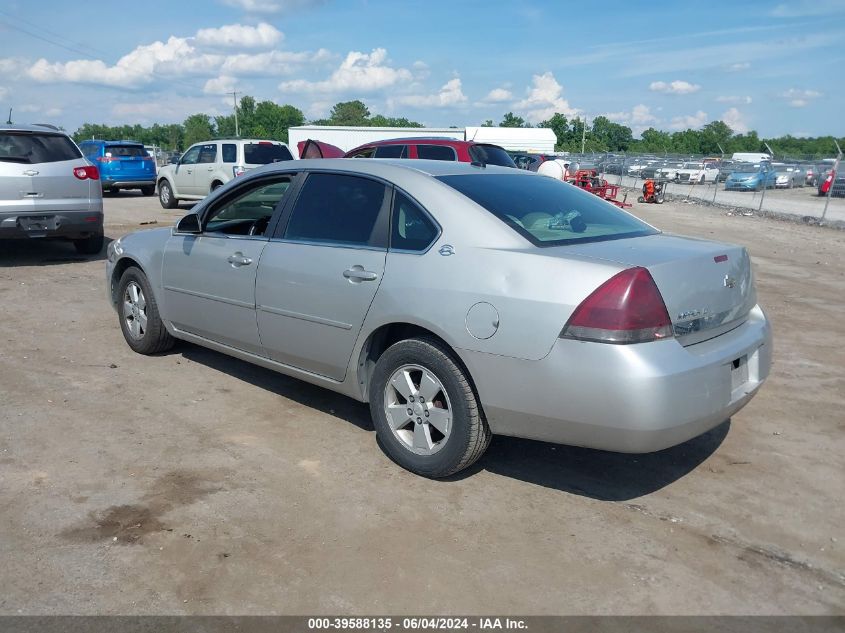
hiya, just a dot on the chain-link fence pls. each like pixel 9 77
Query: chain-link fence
pixel 786 185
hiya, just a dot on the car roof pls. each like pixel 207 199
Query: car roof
pixel 385 167
pixel 431 140
pixel 104 142
pixel 34 127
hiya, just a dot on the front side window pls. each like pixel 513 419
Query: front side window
pixel 249 212
pixel 230 153
pixel 490 155
pixel 392 151
pixel 411 229
pixel 547 211
pixel 336 208
pixel 208 153
pixel 30 148
pixel 437 152
pixel 190 157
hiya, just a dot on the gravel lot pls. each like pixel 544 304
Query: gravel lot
pixel 195 483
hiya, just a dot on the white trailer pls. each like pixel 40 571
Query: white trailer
pixel 347 138
pixel 520 139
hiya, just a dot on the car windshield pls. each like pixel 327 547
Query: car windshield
pixel 547 211
pixel 30 148
pixel 747 169
pixel 693 166
pixel 265 153
pixel 490 155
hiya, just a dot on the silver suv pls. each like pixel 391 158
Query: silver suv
pixel 48 189
pixel 211 164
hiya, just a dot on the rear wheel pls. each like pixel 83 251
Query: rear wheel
pixel 165 195
pixel 216 185
pixel 425 411
pixel 140 322
pixel 89 245
pixel 148 191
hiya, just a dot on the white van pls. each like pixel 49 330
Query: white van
pixel 750 157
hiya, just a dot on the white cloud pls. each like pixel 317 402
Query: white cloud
pixel 220 85
pixel 270 6
pixel 735 120
pixel 639 115
pixel 677 87
pixel 734 99
pixel 689 121
pixel 544 99
pixel 799 98
pixel 53 112
pixel 807 8
pixel 12 67
pixel 3 93
pixel 450 94
pixel 359 71
pixel 240 36
pixel 271 63
pixel 737 67
pixel 498 95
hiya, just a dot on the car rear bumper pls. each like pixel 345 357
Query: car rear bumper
pixel 624 398
pixel 741 186
pixel 128 183
pixel 45 223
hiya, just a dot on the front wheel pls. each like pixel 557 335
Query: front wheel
pixel 425 411
pixel 165 195
pixel 140 321
pixel 90 245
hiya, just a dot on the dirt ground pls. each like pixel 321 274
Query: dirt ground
pixel 195 483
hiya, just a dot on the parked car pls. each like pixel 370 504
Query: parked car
pixel 751 177
pixel 122 165
pixel 208 165
pixel 789 176
pixel 48 189
pixel 446 149
pixel 811 175
pixel 531 162
pixel 828 181
pixel 696 173
pixel 424 289
pixel 726 168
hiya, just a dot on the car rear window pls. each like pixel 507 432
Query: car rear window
pixel 30 148
pixel 490 155
pixel 263 154
pixel 129 151
pixel 547 211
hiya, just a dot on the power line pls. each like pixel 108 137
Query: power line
pixel 53 33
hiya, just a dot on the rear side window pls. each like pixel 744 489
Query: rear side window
pixel 28 148
pixel 392 151
pixel 436 152
pixel 364 153
pixel 337 209
pixel 265 153
pixel 89 149
pixel 208 153
pixel 128 151
pixel 230 153
pixel 490 155
pixel 411 229
pixel 547 211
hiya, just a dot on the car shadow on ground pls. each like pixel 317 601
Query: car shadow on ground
pixel 580 471
pixel 44 252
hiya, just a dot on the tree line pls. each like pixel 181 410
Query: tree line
pixel 269 120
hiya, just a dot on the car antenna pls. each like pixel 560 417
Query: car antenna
pixel 9 121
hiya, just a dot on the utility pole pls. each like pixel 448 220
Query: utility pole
pixel 832 178
pixel 235 104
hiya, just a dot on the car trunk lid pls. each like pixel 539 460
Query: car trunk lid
pixel 708 287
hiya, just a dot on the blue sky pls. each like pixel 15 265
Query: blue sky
pixel 776 67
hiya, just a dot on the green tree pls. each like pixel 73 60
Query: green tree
pixel 655 141
pixel 349 113
pixel 560 126
pixel 488 123
pixel 610 136
pixel 198 128
pixel 713 135
pixel 511 120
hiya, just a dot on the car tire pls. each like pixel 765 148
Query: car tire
pixel 90 245
pixel 216 185
pixel 148 191
pixel 137 311
pixel 165 195
pixel 701 180
pixel 425 367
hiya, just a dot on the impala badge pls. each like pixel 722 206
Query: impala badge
pixel 729 282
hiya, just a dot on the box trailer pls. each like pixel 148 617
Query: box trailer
pixel 520 139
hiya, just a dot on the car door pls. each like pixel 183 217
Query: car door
pixel 319 274
pixel 205 168
pixel 209 277
pixel 183 174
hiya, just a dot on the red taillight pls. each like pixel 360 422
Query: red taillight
pixel 627 308
pixel 89 172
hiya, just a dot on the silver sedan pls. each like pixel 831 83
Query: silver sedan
pixel 459 301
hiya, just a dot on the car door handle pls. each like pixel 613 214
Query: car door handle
pixel 357 274
pixel 238 259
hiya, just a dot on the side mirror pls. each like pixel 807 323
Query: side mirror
pixel 174 160
pixel 189 224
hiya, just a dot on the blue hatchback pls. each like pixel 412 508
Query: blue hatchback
pixel 122 165
pixel 751 177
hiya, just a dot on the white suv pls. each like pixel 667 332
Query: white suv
pixel 211 164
